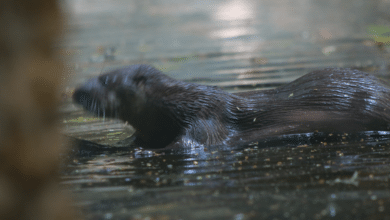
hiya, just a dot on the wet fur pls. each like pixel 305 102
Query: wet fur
pixel 167 112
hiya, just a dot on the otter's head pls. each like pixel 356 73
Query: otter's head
pixel 135 94
pixel 121 93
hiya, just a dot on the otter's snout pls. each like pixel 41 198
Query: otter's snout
pixel 83 95
pixel 83 98
pixel 96 98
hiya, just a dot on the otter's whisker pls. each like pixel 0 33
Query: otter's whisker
pixel 96 106
pixel 93 105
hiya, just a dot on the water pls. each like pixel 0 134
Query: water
pixel 307 176
pixel 239 46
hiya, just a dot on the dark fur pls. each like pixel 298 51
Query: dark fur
pixel 167 112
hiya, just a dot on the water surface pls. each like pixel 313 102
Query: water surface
pixel 239 46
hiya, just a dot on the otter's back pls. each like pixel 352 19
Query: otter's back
pixel 328 100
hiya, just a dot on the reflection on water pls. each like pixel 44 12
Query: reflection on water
pixel 236 45
pixel 316 175
pixel 235 11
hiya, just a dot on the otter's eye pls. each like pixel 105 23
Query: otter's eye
pixel 140 80
pixel 104 80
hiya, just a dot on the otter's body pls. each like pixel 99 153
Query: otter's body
pixel 167 112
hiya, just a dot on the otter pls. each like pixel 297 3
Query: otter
pixel 169 113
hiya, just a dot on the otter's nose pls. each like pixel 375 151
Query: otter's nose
pixel 83 98
pixel 83 94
